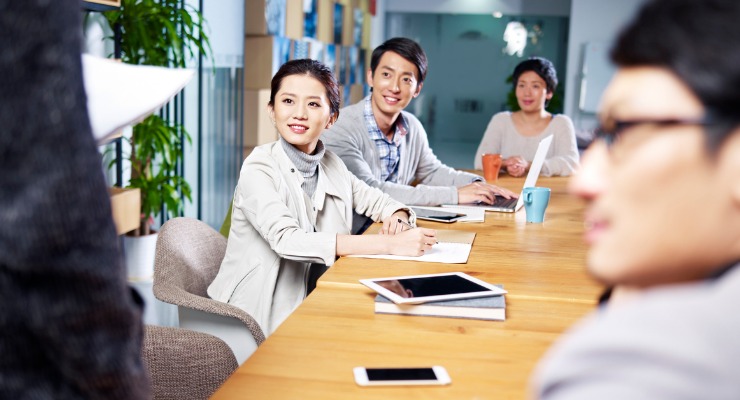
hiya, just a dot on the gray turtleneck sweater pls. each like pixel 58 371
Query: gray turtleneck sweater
pixel 307 164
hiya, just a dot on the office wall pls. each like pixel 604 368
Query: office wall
pixel 560 8
pixel 590 21
pixel 466 82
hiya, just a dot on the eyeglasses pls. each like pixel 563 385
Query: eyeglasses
pixel 611 133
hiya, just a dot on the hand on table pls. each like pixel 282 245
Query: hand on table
pixel 396 223
pixel 516 165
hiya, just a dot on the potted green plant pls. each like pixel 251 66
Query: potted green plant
pixel 163 33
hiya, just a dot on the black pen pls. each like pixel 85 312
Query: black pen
pixel 400 221
pixel 412 227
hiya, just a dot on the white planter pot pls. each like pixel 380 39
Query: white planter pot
pixel 139 255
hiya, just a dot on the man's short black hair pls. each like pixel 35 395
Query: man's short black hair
pixel 406 48
pixel 699 41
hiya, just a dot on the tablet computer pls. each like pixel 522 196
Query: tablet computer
pixel 415 289
pixel 436 215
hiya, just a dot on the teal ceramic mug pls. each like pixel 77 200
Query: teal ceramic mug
pixel 536 200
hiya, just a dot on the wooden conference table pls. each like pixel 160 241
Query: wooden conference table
pixel 311 355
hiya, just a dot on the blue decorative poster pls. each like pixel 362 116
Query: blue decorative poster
pixel 338 22
pixel 275 17
pixel 361 68
pixel 300 49
pixel 342 59
pixel 353 61
pixel 316 50
pixel 280 52
pixel 311 16
pixel 330 57
pixel 357 31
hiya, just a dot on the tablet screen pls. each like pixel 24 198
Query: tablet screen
pixel 435 287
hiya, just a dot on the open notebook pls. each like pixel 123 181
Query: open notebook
pixel 512 205
pixel 453 248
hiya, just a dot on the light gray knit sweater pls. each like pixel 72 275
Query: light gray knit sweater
pixel 436 182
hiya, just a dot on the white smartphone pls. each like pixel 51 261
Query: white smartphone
pixel 435 375
pixel 437 215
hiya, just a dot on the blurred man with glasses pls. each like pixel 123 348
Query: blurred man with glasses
pixel 663 215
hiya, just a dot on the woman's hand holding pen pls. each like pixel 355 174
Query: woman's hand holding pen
pixel 407 239
pixel 413 242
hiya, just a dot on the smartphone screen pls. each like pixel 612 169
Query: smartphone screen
pixel 435 375
pixel 400 374
pixel 437 215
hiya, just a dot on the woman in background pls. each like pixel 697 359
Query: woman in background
pixel 294 201
pixel 515 135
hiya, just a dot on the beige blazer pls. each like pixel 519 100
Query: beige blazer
pixel 277 231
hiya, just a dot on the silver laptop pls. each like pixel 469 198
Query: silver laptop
pixel 512 205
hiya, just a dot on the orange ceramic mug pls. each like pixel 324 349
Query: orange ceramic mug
pixel 491 166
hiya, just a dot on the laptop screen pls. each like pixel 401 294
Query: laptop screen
pixel 539 160
pixel 535 168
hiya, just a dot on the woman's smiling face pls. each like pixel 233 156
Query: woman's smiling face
pixel 301 111
pixel 531 92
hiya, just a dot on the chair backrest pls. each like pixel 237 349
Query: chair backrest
pixel 187 259
pixel 189 255
pixel 185 364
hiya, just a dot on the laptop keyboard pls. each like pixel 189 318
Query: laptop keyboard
pixel 504 202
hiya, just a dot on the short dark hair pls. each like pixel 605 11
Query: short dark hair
pixel 540 66
pixel 699 41
pixel 406 48
pixel 314 69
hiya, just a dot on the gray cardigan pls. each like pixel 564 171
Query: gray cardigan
pixel 675 342
pixel 436 182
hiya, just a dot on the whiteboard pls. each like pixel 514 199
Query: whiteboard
pixel 596 72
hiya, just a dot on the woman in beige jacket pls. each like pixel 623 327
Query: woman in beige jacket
pixel 294 201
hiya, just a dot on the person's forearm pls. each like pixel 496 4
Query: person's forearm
pixel 559 166
pixel 363 244
pixel 421 195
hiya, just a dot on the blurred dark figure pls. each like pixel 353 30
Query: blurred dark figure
pixel 69 325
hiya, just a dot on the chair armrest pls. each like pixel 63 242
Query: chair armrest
pixel 230 330
pixel 179 297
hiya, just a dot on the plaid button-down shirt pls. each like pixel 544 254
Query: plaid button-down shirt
pixel 388 150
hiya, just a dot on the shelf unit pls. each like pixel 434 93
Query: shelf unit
pixel 101 5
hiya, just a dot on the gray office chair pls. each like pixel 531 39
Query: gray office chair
pixel 184 364
pixel 188 256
